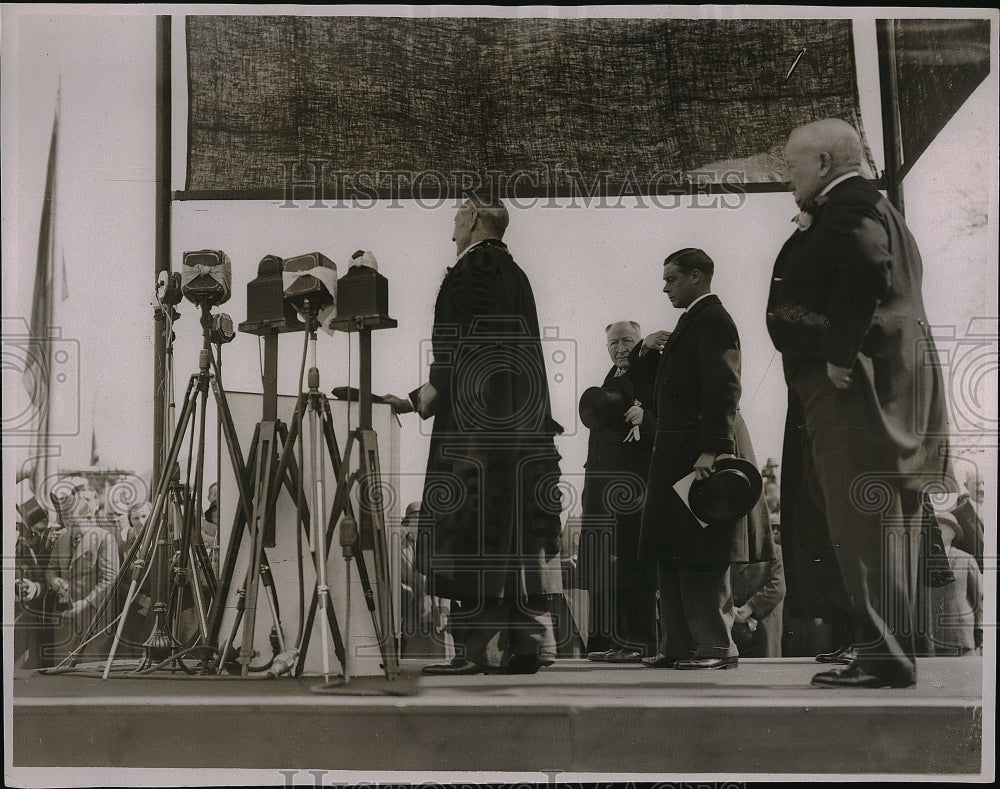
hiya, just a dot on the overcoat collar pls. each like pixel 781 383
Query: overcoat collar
pixel 686 318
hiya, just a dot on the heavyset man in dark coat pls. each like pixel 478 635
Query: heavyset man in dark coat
pixel 489 532
pixel 622 588
pixel 695 375
pixel 866 430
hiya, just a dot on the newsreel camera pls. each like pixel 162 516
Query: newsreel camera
pixel 206 280
pixel 310 287
pixel 207 277
pixel 303 293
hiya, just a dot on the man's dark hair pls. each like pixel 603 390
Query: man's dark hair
pixel 690 259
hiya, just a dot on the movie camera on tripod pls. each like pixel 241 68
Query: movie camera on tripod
pixel 171 559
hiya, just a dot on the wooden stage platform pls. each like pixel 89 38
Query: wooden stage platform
pixel 573 718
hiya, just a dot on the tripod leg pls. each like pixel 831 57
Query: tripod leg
pixel 335 634
pixel 233 445
pixel 227 646
pixel 204 560
pixel 272 601
pixel 151 542
pixel 264 464
pixel 292 479
pixel 342 496
pixel 196 592
pixel 287 460
pixel 372 481
pixel 232 550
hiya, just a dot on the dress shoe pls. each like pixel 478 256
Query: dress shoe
pixel 845 655
pixel 600 657
pixel 856 677
pixel 659 661
pixel 458 667
pixel 707 662
pixel 623 656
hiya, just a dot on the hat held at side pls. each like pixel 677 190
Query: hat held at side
pixel 729 493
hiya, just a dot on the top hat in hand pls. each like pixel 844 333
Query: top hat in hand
pixel 604 406
pixel 31 513
pixel 729 493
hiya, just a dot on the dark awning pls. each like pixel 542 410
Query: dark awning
pixel 422 105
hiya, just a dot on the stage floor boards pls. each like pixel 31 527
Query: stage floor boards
pixel 574 717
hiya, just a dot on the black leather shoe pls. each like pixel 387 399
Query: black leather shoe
pixel 855 677
pixel 707 662
pixel 845 655
pixel 459 667
pixel 623 656
pixel 600 657
pixel 659 661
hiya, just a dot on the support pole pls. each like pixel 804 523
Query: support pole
pixel 891 133
pixel 161 232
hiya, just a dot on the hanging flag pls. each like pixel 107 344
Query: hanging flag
pixel 39 361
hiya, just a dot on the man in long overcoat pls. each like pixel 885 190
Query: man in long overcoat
pixel 622 588
pixel 696 387
pixel 489 530
pixel 866 431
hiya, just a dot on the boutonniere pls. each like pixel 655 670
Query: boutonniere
pixel 803 219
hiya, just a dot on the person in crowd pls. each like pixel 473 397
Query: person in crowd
pixel 866 406
pixel 81 569
pixel 968 510
pixel 210 521
pixel 489 533
pixel 32 615
pixel 695 375
pixel 759 600
pixel 136 518
pixel 772 495
pixel 957 608
pixel 622 588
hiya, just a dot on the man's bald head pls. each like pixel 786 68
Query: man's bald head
pixel 818 153
pixel 832 136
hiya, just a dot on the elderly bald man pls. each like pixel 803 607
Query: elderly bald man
pixel 866 425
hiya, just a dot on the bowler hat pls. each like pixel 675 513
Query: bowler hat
pixel 599 405
pixel 729 493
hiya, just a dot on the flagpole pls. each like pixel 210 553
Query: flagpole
pixel 38 367
pixel 162 237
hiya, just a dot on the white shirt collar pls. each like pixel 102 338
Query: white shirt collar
pixel 838 180
pixel 471 247
pixel 702 296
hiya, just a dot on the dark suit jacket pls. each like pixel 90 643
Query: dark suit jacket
pixel 696 390
pixel 847 290
pixel 615 478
